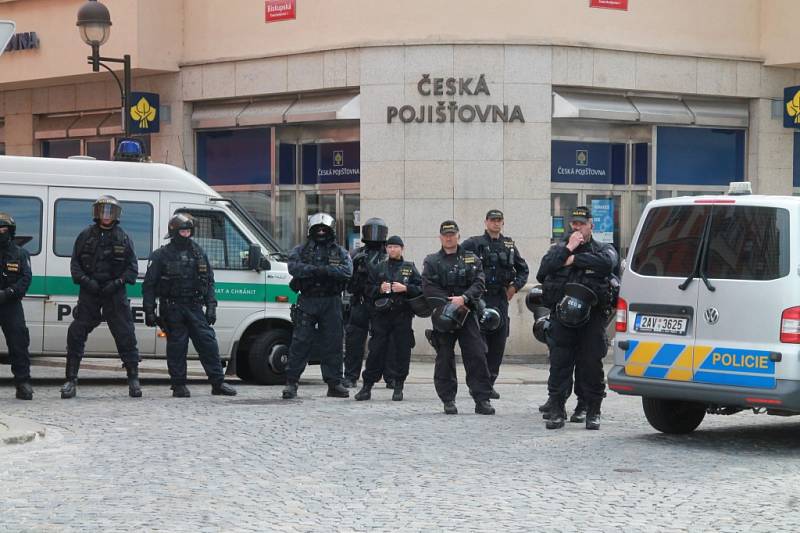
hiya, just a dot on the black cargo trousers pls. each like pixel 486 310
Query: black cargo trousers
pixel 390 346
pixel 473 354
pixel 579 350
pixel 18 340
pixel 317 325
pixel 91 310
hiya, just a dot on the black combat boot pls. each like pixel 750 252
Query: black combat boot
pixel 349 383
pixel 134 388
pixel 24 391
pixel 290 390
pixel 450 408
pixel 222 389
pixel 397 395
pixel 494 395
pixel 389 383
pixel 336 390
pixel 70 388
pixel 484 407
pixel 365 393
pixel 545 409
pixel 593 416
pixel 579 415
pixel 181 391
pixel 557 415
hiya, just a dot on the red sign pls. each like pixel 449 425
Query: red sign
pixel 622 5
pixel 277 10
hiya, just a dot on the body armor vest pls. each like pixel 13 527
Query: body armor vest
pixel 103 257
pixel 459 276
pixel 319 255
pixel 498 258
pixel 364 259
pixel 553 285
pixel 399 271
pixel 10 266
pixel 184 274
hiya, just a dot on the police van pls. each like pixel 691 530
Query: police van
pixel 708 319
pixel 51 201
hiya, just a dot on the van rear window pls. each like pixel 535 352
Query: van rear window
pixel 669 241
pixel 748 243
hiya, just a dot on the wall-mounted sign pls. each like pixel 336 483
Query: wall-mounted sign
pixel 277 10
pixel 446 109
pixel 144 114
pixel 622 5
pixel 587 162
pixel 603 219
pixel 331 163
pixel 23 41
pixel 791 107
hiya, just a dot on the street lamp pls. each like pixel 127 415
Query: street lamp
pixel 94 24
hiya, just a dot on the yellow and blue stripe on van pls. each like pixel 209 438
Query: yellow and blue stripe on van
pixel 700 364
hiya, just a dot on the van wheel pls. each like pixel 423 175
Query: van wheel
pixel 673 416
pixel 266 359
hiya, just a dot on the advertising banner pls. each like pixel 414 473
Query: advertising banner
pixel 603 215
pixel 278 10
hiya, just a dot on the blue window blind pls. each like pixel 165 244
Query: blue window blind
pixel 699 156
pixel 234 157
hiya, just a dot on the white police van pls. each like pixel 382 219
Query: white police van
pixel 51 201
pixel 708 319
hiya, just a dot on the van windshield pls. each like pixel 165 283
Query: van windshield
pixel 275 251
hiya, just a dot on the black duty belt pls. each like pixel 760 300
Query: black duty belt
pixel 319 294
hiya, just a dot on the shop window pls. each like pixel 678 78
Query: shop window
pixel 561 206
pixel 699 156
pixel 641 164
pixel 331 163
pixel 234 157
pixel 27 213
pixel 223 243
pixel 61 148
pixel 587 162
pixel 73 216
pixel 100 150
pixel 287 164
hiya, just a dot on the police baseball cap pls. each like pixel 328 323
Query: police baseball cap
pixel 581 214
pixel 394 239
pixel 494 213
pixel 448 226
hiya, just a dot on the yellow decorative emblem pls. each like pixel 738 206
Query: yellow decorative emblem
pixel 793 107
pixel 143 112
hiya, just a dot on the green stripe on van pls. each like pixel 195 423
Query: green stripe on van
pixel 242 292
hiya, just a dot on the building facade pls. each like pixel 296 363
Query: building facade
pixel 420 111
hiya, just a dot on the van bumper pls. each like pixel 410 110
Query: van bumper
pixel 784 397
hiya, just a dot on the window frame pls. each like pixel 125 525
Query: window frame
pixel 92 200
pixel 41 219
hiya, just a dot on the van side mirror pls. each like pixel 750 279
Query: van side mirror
pixel 255 260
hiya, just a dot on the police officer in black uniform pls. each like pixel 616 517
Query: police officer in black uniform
pixel 180 275
pixel 103 262
pixel 506 274
pixel 15 278
pixel 575 275
pixel 455 276
pixel 373 235
pixel 320 269
pixel 391 284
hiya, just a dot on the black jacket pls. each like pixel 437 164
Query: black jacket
pixel 102 255
pixel 456 274
pixel 15 270
pixel 501 260
pixel 159 280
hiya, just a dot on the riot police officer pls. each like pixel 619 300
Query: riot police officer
pixel 180 275
pixel 506 274
pixel 454 277
pixel 320 269
pixel 373 235
pixel 391 283
pixel 15 278
pixel 103 262
pixel 575 275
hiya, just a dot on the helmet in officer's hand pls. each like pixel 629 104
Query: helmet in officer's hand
pixel 535 298
pixel 491 320
pixel 541 324
pixel 374 230
pixel 419 306
pixel 383 304
pixel 575 307
pixel 449 318
pixel 106 207
pixel 321 227
pixel 178 222
pixel 7 221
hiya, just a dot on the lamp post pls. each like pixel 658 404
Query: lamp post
pixel 94 24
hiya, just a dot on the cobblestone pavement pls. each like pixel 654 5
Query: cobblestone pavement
pixel 256 463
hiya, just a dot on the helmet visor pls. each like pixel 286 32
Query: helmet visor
pixel 103 211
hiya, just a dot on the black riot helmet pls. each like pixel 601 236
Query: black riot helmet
pixel 106 206
pixel 449 318
pixel 535 298
pixel 575 307
pixel 541 324
pixel 321 227
pixel 178 222
pixel 491 320
pixel 419 306
pixel 7 221
pixel 374 230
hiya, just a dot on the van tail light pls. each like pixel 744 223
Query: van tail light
pixel 622 315
pixel 790 325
